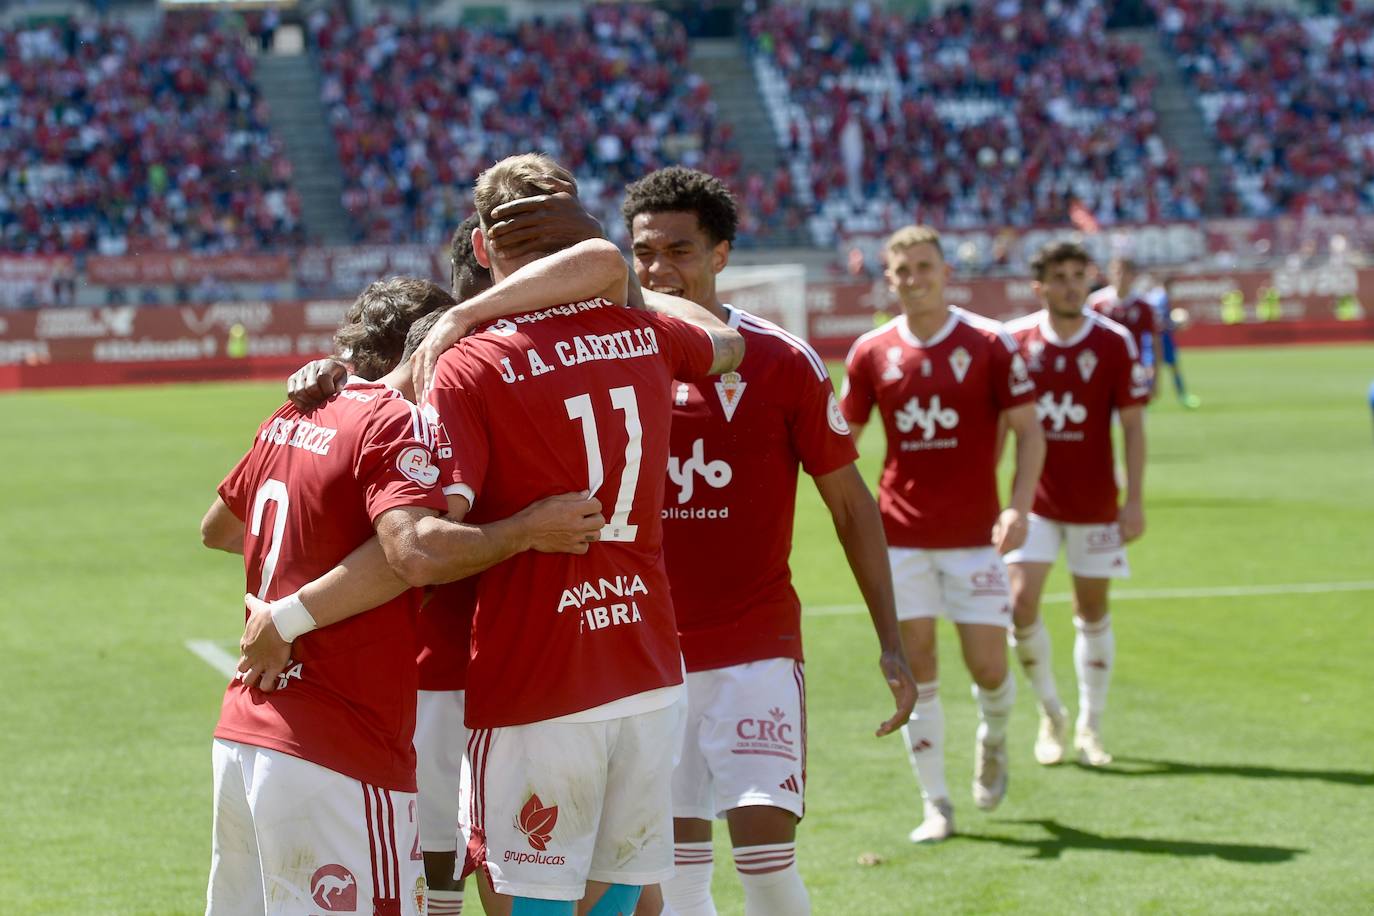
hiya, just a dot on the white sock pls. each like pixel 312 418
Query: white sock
pixel 925 741
pixel 1032 645
pixel 688 892
pixel 994 709
pixel 1094 655
pixel 772 884
pixel 445 903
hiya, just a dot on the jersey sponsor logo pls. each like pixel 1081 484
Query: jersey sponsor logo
pixel 730 389
pixel 929 419
pixel 790 784
pixel 717 474
pixel 771 736
pixel 990 580
pixel 1060 412
pixel 959 361
pixel 415 464
pixel 536 822
pixel 1087 362
pixel 1107 537
pixel 596 610
pixel 893 372
pixel 334 889
pixel 835 417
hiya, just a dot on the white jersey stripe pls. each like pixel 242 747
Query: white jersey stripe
pixel 760 326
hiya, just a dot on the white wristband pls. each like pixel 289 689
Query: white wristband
pixel 290 617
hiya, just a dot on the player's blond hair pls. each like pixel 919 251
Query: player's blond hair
pixel 911 236
pixel 513 178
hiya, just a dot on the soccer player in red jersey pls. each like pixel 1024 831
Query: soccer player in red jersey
pixel 315 776
pixel 1085 368
pixel 1121 303
pixel 943 381
pixel 575 667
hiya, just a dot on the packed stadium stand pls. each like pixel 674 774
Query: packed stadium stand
pixel 988 113
pixel 111 143
pixel 1290 99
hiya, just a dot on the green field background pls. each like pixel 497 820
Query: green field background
pixel 1243 726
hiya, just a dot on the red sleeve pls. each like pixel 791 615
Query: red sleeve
pixel 234 488
pixel 1012 384
pixel 820 435
pixel 396 464
pixel 688 347
pixel 1131 386
pixel 857 396
pixel 455 402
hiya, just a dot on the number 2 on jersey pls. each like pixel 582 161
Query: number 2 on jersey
pixel 272 490
pixel 580 408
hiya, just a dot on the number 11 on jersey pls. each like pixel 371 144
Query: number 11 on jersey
pixel 580 408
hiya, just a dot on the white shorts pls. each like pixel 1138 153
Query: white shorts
pixel 1095 551
pixel 441 743
pixel 292 837
pixel 745 742
pixel 964 585
pixel 556 804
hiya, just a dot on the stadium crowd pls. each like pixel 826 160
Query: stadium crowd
pixel 419 111
pixel 985 114
pixel 1290 99
pixel 112 143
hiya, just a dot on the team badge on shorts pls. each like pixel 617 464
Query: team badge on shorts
pixel 730 389
pixel 537 822
pixel 334 889
pixel 421 896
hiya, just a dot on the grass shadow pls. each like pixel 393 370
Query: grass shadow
pixel 1146 766
pixel 1063 838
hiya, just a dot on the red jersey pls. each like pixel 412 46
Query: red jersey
pixel 443 632
pixel 569 398
pixel 1133 313
pixel 308 491
pixel 737 440
pixel 940 401
pixel 1080 381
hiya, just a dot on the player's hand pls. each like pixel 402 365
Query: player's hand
pixel 545 222
pixel 567 523
pixel 1131 521
pixel 447 331
pixel 1010 531
pixel 903 686
pixel 263 654
pixel 316 382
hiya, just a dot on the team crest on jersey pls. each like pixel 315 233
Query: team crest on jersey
pixel 1087 362
pixel 416 465
pixel 893 372
pixel 835 417
pixel 680 396
pixel 730 389
pixel 503 328
pixel 959 361
pixel 1035 349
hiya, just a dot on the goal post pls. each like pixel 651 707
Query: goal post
pixel 776 292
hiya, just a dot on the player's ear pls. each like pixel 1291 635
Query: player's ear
pixel 720 256
pixel 479 248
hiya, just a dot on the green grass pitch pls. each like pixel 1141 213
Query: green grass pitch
pixel 1243 726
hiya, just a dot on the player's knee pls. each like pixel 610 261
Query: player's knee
pixel 989 674
pixel 1090 611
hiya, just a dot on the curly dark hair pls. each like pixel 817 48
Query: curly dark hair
pixel 468 278
pixel 373 334
pixel 1052 254
pixel 680 189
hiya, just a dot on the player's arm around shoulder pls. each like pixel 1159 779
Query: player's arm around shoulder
pixel 727 344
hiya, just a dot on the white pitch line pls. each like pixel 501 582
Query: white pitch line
pixel 1156 594
pixel 210 652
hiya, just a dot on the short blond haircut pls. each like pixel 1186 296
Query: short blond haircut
pixel 911 236
pixel 513 178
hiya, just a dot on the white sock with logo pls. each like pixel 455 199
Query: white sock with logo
pixel 925 741
pixel 772 884
pixel 688 892
pixel 445 903
pixel 994 709
pixel 1032 645
pixel 1094 656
